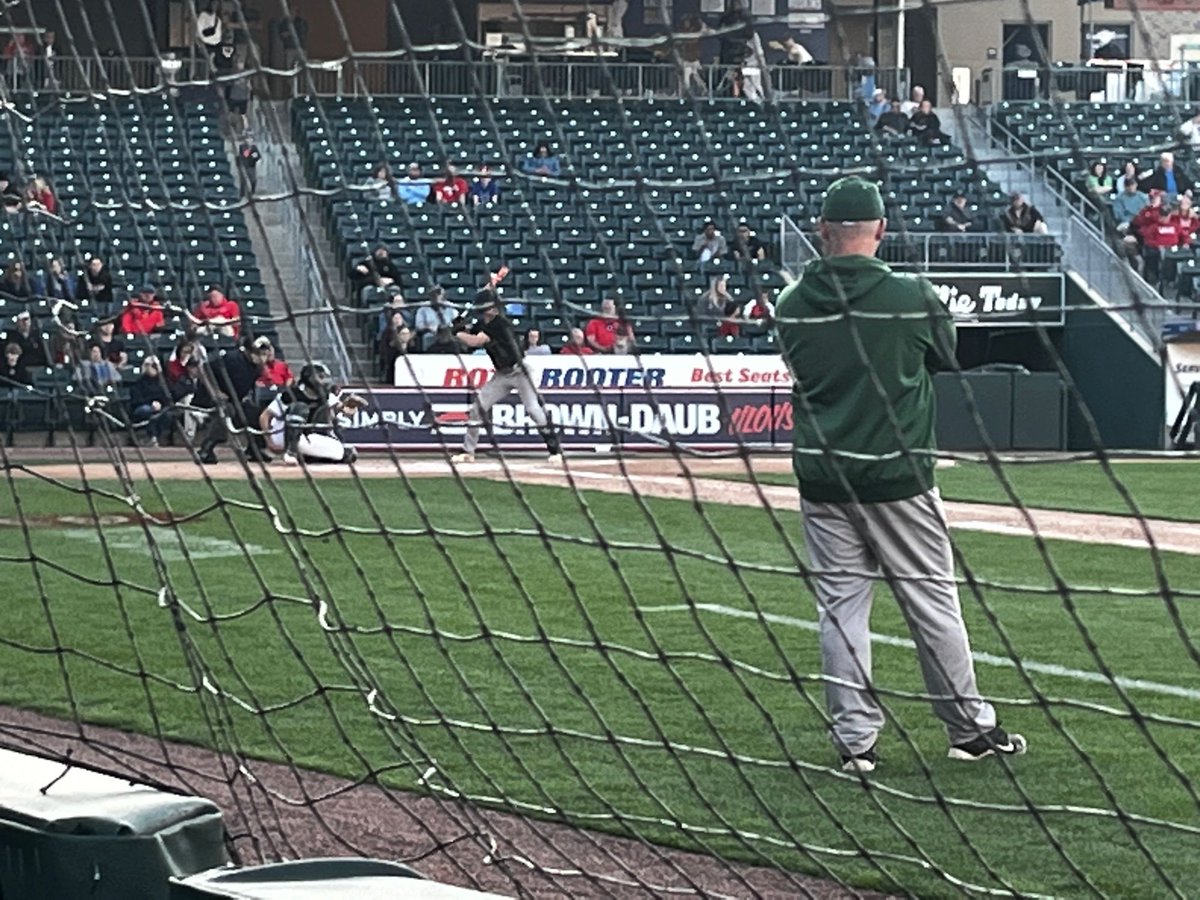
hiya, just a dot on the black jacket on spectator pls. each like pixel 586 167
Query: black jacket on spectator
pixel 926 127
pixel 376 269
pixel 147 390
pixel 236 374
pixel 1157 181
pixel 102 282
pixel 33 348
pixel 958 216
pixel 897 121
pixel 11 376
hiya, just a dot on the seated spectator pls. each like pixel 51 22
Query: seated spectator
pixel 435 314
pixel 381 184
pixel 1126 206
pixel 272 372
pixel 485 190
pixel 38 196
pixel 760 309
pixel 142 314
pixel 12 373
pixel 30 340
pixel 451 189
pixel 444 342
pixel 1159 230
pixel 957 217
pixel 10 194
pixel 55 282
pixel 602 331
pixel 893 123
pixel 746 244
pixel 1099 183
pixel 150 402
pixel 709 243
pixel 181 357
pixel 377 271
pixel 877 107
pixel 96 284
pixel 395 304
pixel 533 343
pixel 1021 217
pixel 96 373
pixel 1166 178
pixel 413 189
pixel 541 162
pixel 1187 220
pixel 1129 172
pixel 217 315
pixel 398 340
pixel 111 345
pixel 576 344
pixel 915 98
pixel 926 127
pixel 1189 133
pixel 15 283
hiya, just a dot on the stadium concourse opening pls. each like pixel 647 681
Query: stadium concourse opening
pixel 243 241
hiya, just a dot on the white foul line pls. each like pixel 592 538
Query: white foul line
pixel 990 659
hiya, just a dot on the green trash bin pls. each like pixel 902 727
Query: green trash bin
pixel 71 832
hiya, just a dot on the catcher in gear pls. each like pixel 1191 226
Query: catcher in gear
pixel 302 425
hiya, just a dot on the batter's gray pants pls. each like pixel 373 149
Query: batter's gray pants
pixel 497 388
pixel 906 542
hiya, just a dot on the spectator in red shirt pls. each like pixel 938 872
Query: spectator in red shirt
pixel 39 196
pixel 1187 220
pixel 1159 231
pixel 143 314
pixel 185 353
pixel 576 344
pixel 603 331
pixel 217 314
pixel 274 372
pixel 452 188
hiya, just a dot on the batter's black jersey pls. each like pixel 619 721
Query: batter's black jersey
pixel 502 345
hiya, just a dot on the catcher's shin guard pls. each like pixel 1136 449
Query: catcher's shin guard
pixel 295 423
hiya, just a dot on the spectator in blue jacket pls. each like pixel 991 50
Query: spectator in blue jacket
pixel 55 281
pixel 1126 204
pixel 414 188
pixel 541 161
pixel 150 402
pixel 485 190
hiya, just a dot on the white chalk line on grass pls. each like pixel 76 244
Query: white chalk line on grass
pixel 989 659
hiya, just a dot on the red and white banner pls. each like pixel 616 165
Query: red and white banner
pixel 566 372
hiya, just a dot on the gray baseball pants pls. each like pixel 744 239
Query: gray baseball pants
pixel 907 543
pixel 499 386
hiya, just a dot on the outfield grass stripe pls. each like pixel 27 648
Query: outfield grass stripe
pixel 989 659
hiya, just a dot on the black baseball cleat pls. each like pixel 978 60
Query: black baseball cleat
pixel 208 457
pixel 996 742
pixel 861 762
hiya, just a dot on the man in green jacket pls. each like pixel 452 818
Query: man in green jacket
pixel 862 343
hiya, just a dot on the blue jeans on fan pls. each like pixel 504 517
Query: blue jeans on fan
pixel 158 424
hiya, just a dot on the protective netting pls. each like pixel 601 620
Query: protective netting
pixel 601 678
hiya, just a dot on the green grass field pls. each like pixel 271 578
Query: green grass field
pixel 658 676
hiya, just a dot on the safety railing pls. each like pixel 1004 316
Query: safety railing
pixel 795 249
pixel 1111 82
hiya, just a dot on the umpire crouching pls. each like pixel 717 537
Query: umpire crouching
pixel 862 343
pixel 494 333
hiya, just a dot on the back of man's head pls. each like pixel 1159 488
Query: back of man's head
pixel 852 217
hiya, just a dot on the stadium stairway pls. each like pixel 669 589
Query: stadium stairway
pixel 1084 251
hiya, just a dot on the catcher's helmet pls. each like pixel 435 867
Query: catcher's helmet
pixel 316 381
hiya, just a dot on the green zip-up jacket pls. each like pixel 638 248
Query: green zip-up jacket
pixel 863 378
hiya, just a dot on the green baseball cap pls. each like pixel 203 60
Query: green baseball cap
pixel 852 199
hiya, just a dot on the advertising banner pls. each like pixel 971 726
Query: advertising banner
pixel 1181 371
pixel 990 301
pixel 437 419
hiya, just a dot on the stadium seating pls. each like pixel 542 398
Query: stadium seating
pixel 144 182
pixel 638 180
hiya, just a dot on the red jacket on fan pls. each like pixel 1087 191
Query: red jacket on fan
pixel 1161 233
pixel 141 318
pixel 1188 227
pixel 451 189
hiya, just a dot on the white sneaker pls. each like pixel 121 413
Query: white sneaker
pixel 290 460
pixel 555 459
pixel 460 458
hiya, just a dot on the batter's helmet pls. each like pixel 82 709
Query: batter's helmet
pixel 316 381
